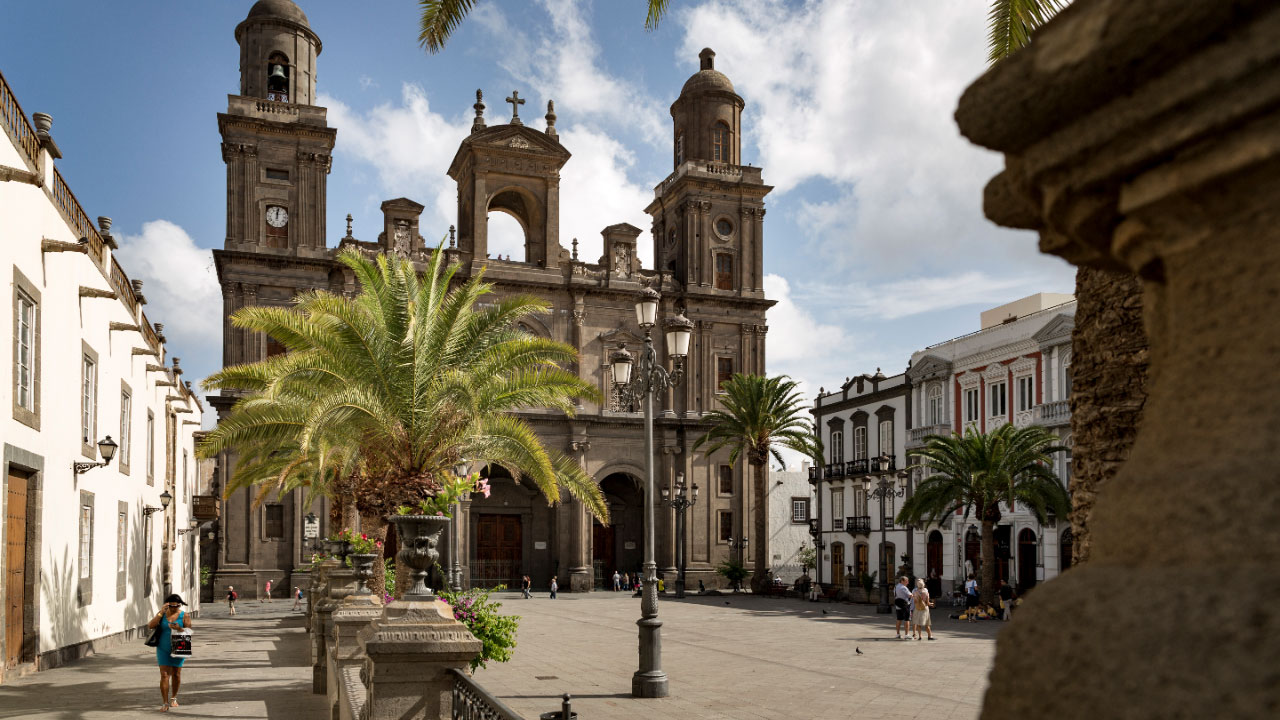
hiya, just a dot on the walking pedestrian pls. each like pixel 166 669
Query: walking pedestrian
pixel 526 584
pixel 971 598
pixel 921 603
pixel 1006 601
pixel 554 587
pixel 170 617
pixel 297 597
pixel 268 591
pixel 617 581
pixel 231 600
pixel 902 606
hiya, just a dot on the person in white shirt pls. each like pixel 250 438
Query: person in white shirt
pixel 921 602
pixel 617 581
pixel 902 606
pixel 971 598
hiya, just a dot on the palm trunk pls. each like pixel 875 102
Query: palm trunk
pixel 760 580
pixel 376 528
pixel 987 587
pixel 349 515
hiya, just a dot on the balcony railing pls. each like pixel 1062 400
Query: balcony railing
pixel 204 507
pixel 15 121
pixel 1057 412
pixel 813 473
pixel 471 700
pixel 856 467
pixel 916 436
pixel 878 466
pixel 837 523
pixel 858 524
pixel 835 470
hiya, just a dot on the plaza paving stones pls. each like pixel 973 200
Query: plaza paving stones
pixel 740 657
pixel 255 665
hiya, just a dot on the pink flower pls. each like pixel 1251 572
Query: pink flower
pixel 439 513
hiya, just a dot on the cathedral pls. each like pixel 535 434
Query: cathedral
pixel 708 231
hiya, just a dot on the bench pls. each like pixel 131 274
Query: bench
pixel 775 591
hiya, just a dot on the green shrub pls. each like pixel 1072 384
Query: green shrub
pixel 496 632
pixel 733 571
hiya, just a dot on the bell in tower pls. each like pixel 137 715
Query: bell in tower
pixel 278 53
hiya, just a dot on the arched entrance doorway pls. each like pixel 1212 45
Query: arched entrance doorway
pixel 620 545
pixel 1066 546
pixel 1026 559
pixel 933 563
pixel 837 564
pixel 503 528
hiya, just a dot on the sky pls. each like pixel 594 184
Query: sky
pixel 875 242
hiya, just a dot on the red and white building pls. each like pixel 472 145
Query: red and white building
pixel 1015 369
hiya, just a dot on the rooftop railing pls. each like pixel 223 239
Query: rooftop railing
pixel 16 123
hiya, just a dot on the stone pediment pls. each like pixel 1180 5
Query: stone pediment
pixel 622 229
pixel 930 366
pixel 402 203
pixel 1056 331
pixel 620 334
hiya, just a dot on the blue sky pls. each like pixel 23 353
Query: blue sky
pixel 875 241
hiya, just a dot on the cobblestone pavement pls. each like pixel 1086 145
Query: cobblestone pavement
pixel 255 665
pixel 739 658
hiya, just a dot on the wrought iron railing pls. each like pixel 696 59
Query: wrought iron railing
pixel 835 470
pixel 877 465
pixel 473 702
pixel 858 524
pixel 813 473
pixel 856 467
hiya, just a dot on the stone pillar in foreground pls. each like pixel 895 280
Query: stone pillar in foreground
pixel 1143 136
pixel 409 652
pixel 352 614
pixel 317 588
pixel 342 582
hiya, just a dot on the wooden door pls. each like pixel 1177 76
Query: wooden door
pixel 603 550
pixel 837 563
pixel 15 563
pixel 499 551
pixel 933 556
pixel 1027 557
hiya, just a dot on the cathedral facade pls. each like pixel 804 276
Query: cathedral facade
pixel 707 226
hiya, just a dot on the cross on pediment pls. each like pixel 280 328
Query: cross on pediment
pixel 516 101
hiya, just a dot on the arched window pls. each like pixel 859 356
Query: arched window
pixel 935 404
pixel 933 555
pixel 720 138
pixel 278 77
pixel 837 446
pixel 1028 558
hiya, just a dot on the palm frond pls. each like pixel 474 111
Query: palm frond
pixel 1011 22
pixel 439 19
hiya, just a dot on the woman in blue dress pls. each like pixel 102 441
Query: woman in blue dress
pixel 171 617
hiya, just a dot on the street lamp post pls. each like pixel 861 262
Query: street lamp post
pixel 650 378
pixel 884 489
pixel 680 503
pixel 462 469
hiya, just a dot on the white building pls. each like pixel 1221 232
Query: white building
pixel 790 502
pixel 89 551
pixel 1016 369
pixel 860 423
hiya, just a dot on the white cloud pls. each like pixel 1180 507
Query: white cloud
pixel 860 96
pixel 409 146
pixel 917 295
pixel 182 292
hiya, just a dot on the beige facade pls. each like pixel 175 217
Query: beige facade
pixel 708 230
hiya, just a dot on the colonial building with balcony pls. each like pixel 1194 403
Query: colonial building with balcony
pixel 1015 369
pixel 863 421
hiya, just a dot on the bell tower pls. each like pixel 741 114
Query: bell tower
pixel 276 144
pixel 708 214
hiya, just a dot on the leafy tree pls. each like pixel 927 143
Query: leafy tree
pixel 759 415
pixel 382 393
pixel 976 471
pixel 808 557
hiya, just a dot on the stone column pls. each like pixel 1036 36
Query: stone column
pixel 353 614
pixel 317 588
pixel 342 582
pixel 1144 137
pixel 410 650
pixel 580 571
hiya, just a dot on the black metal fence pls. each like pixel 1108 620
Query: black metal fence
pixel 472 702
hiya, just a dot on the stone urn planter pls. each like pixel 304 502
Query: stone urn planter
pixel 362 563
pixel 418 536
pixel 340 549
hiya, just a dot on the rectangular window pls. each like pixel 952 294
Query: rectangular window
pixel 724 271
pixel 726 480
pixel 799 510
pixel 25 358
pixel 88 402
pixel 126 429
pixel 273 174
pixel 122 540
pixel 151 448
pixel 837 446
pixel 971 405
pixel 860 442
pixel 726 525
pixel 275 521
pixel 886 437
pixel 935 406
pixel 724 371
pixel 86 548
pixel 1026 393
pixel 837 504
pixel 999 400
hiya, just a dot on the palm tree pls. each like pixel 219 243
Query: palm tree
pixel 759 416
pixel 381 394
pixel 1011 22
pixel 976 472
pixel 441 17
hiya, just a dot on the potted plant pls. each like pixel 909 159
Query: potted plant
pixel 733 571
pixel 362 553
pixel 866 583
pixel 418 529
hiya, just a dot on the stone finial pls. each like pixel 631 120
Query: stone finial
pixel 707 59
pixel 177 366
pixel 186 384
pixel 453 240
pixel 104 224
pixel 551 118
pixel 575 248
pixel 137 285
pixel 159 328
pixel 478 124
pixel 348 237
pixel 43 123
pixel 516 101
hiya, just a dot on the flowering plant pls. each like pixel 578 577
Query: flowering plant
pixel 496 633
pixel 451 491
pixel 360 544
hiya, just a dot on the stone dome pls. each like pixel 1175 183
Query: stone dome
pixel 707 79
pixel 284 9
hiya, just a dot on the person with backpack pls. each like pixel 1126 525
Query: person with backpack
pixel 920 615
pixel 297 597
pixel 231 599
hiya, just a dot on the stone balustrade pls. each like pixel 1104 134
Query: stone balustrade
pixel 341 583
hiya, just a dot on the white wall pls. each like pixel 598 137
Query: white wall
pixel 65 322
pixel 786 538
